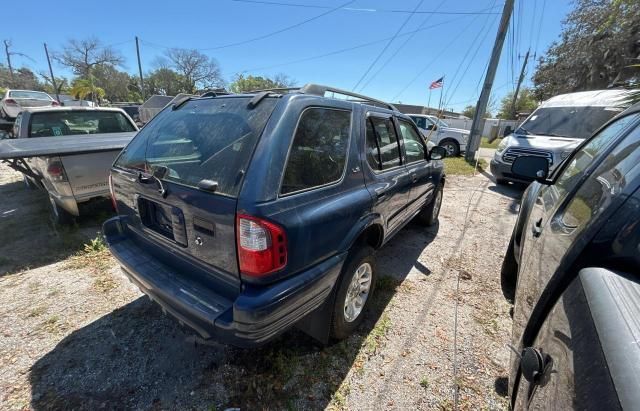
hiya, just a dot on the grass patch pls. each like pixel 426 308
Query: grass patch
pixel 424 382
pixel 374 339
pixel 458 166
pixel 339 398
pixel 37 311
pixel 53 324
pixel 484 143
pixel 96 258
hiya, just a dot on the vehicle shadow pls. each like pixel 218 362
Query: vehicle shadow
pixel 135 357
pixel 29 238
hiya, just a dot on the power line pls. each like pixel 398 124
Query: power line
pixel 346 49
pixel 430 63
pixel 399 48
pixel 357 9
pixel 544 3
pixel 264 36
pixel 384 49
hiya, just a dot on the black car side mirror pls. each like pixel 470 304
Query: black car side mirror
pixel 531 168
pixel 160 172
pixel 437 153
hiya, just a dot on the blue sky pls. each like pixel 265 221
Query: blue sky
pixel 427 46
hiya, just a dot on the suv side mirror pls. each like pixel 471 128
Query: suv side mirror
pixel 531 168
pixel 437 153
pixel 507 130
pixel 160 172
pixel 432 127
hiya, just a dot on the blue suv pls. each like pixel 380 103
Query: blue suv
pixel 245 215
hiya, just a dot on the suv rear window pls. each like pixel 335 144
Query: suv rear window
pixel 319 149
pixel 208 139
pixel 383 151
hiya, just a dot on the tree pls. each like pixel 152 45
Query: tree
pixel 82 55
pixel 62 85
pixel 83 88
pixel 526 103
pixel 470 111
pixel 115 83
pixel 242 84
pixel 166 82
pixel 199 70
pixel 599 39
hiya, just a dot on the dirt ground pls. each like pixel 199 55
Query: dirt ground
pixel 74 333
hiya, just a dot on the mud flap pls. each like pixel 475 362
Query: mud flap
pixel 317 324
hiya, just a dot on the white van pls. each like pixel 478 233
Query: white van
pixel 556 128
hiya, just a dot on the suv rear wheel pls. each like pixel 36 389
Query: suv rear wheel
pixel 429 214
pixel 357 284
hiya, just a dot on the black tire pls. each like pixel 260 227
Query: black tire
pixel 430 213
pixel 341 327
pixel 59 216
pixel 509 273
pixel 452 147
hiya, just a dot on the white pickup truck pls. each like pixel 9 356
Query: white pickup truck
pixel 454 140
pixel 67 151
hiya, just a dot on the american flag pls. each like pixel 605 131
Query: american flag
pixel 437 83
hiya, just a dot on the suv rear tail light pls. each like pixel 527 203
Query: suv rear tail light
pixel 55 170
pixel 10 102
pixel 114 203
pixel 262 246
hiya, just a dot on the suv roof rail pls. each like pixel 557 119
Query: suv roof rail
pixel 319 90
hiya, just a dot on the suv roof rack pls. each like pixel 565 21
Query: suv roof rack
pixel 319 90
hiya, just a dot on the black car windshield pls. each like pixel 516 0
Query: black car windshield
pixel 204 139
pixel 69 122
pixel 572 122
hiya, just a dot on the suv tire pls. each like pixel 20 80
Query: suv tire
pixel 59 216
pixel 452 147
pixel 430 213
pixel 358 272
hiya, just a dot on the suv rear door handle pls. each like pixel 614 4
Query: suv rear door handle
pixel 537 228
pixel 414 178
pixel 380 194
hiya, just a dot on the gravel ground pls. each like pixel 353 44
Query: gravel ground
pixel 74 333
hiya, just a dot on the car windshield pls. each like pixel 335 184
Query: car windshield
pixel 32 95
pixel 209 139
pixel 438 122
pixel 571 122
pixel 66 123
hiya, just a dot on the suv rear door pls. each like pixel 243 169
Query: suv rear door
pixel 387 177
pixel 205 145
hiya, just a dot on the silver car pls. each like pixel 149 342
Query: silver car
pixel 72 179
pixel 14 101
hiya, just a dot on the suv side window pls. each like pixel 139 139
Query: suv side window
pixel 420 121
pixel 413 145
pixel 318 154
pixel 383 150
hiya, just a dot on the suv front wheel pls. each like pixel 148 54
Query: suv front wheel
pixel 357 284
pixel 430 213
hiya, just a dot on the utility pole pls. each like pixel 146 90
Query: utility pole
pixel 7 44
pixel 481 107
pixel 140 68
pixel 53 79
pixel 520 79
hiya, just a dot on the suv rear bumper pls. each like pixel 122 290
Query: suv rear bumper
pixel 255 316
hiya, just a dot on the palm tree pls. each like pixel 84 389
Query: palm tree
pixel 83 88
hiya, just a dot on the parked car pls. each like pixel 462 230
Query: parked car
pixel 556 128
pixel 72 179
pixel 454 140
pixel 245 215
pixel 14 101
pixel 573 261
